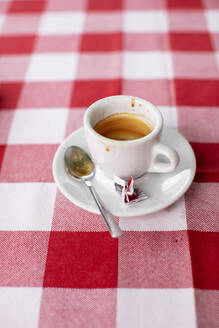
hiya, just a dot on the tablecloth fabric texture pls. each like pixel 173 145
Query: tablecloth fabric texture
pixel 58 265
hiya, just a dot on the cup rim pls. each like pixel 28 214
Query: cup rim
pixel 151 135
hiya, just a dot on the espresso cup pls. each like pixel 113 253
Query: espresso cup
pixel 126 158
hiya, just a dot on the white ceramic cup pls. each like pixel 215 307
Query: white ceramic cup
pixel 130 157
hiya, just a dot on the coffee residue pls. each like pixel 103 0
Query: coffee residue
pixel 122 126
pixel 133 102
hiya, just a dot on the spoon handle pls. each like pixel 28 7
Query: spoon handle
pixel 113 227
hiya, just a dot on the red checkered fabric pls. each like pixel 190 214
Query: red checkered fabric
pixel 58 265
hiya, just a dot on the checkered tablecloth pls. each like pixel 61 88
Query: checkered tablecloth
pixel 58 265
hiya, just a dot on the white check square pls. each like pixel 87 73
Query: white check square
pixel 2 18
pixel 147 65
pixel 52 67
pixel 156 308
pixel 20 307
pixel 38 126
pixel 145 21
pixel 62 23
pixel 173 218
pixel 217 58
pixel 169 114
pixel 27 206
pixel 212 19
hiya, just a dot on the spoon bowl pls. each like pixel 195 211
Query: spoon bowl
pixel 78 163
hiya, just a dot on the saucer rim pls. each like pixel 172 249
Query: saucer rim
pixel 91 209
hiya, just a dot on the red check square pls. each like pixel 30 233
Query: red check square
pixel 190 42
pixel 26 6
pixel 206 177
pixel 187 95
pixel 23 257
pixel 16 44
pixel 10 93
pixel 2 153
pixel 101 42
pixel 104 5
pixel 86 92
pixel 184 4
pixel 205 259
pixel 81 260
pixel 154 260
pixel 207 156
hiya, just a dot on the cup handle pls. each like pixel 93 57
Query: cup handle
pixel 171 154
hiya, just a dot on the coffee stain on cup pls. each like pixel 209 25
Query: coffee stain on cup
pixel 107 149
pixel 133 102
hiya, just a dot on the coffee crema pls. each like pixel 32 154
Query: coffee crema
pixel 122 126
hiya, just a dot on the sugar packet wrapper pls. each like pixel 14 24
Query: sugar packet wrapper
pixel 129 193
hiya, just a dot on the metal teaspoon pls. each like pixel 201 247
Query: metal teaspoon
pixel 80 166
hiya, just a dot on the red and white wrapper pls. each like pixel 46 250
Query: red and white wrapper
pixel 129 193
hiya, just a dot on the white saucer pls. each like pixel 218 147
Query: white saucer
pixel 163 189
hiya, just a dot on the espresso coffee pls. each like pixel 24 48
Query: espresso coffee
pixel 122 126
